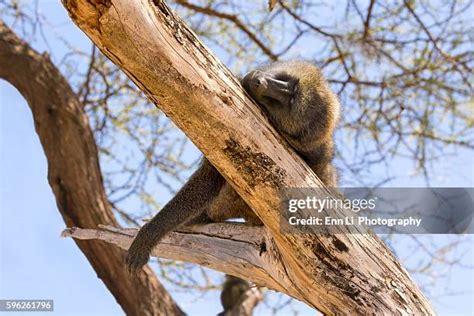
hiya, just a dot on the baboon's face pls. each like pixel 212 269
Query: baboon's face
pixel 296 98
pixel 272 88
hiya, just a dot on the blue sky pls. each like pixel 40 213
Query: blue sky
pixel 35 263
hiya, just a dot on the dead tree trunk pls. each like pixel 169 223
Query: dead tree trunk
pixel 73 171
pixel 337 274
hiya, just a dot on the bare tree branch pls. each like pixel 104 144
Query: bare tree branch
pixel 230 248
pixel 235 20
pixel 367 19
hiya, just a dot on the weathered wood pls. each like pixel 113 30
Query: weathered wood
pixel 231 248
pixel 337 274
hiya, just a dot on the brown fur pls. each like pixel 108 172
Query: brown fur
pixel 304 111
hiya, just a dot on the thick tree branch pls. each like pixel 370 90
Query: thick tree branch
pixel 234 249
pixel 338 274
pixel 73 171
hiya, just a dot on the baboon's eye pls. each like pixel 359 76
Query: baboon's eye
pixel 283 76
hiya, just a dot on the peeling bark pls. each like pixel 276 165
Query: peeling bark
pixel 74 173
pixel 344 273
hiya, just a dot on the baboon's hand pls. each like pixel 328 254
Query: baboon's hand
pixel 138 253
